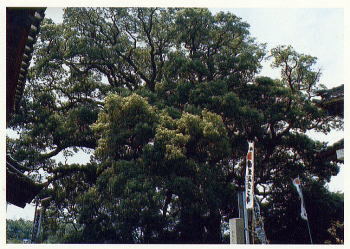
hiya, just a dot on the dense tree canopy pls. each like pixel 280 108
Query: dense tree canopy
pixel 166 100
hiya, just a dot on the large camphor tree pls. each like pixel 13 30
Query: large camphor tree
pixel 165 100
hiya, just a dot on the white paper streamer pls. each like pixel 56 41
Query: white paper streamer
pixel 249 177
pixel 296 183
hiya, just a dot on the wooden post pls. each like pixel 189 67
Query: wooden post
pixel 236 231
pixel 240 199
pixel 34 219
pixel 246 224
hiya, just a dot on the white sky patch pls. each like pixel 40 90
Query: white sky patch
pixel 56 14
pixel 12 133
pixel 81 157
pixel 316 32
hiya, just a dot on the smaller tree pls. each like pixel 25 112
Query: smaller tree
pixel 17 230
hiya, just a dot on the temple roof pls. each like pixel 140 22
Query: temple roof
pixel 22 27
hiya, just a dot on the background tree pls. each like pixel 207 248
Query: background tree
pixel 167 99
pixel 17 230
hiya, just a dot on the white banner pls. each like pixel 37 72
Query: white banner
pixel 249 177
pixel 296 183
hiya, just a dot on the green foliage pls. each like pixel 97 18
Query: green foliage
pixel 325 213
pixel 296 69
pixel 17 230
pixel 167 99
pixel 125 126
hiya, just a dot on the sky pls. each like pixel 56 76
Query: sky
pixel 318 32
